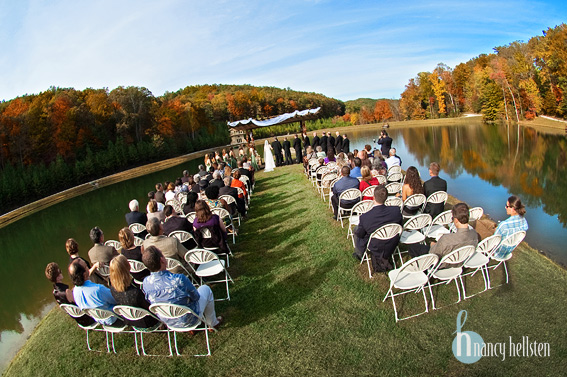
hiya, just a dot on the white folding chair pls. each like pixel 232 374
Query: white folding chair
pixel 437 197
pixel 137 228
pixel 172 311
pixel 347 195
pixel 173 265
pixel 231 201
pixel 177 206
pixel 479 260
pixel 384 233
pixel 413 203
pixel 394 177
pixel 138 241
pixel 182 236
pixel 450 268
pixel 369 191
pixel 394 201
pixel 132 313
pixel 504 252
pixel 225 217
pixel 413 232
pixel 103 315
pixel 394 188
pixel 440 225
pixel 209 264
pixel 245 196
pixel 135 267
pixel 326 183
pixel 191 217
pixel 331 189
pixel 381 179
pixel 412 276
pixel 354 218
pixel 394 169
pixel 114 244
pixel 76 312
pixel 319 173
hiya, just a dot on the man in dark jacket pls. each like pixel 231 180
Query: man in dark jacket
pixel 386 143
pixel 433 185
pixel 297 147
pixel 287 151
pixel 338 143
pixel 346 144
pixel 330 142
pixel 323 142
pixel 277 147
pixel 315 142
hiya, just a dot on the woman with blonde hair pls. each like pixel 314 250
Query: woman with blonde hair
pixel 153 211
pixel 125 293
pixel 131 251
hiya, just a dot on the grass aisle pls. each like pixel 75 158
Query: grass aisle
pixel 302 306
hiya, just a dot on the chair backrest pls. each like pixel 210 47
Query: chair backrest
pixel 206 232
pixel 240 191
pixel 513 240
pixel 73 310
pixel 200 256
pixel 131 313
pixel 362 207
pixel 172 264
pixel 103 270
pixel 475 213
pixel 328 178
pixel 457 256
pixel 136 266
pixel 244 179
pixel 137 228
pixel 394 169
pixel 394 201
pixel 191 217
pixel 394 177
pixel 418 222
pixel 394 187
pixel 139 241
pixel 100 314
pixel 228 199
pixel 331 164
pixel 332 184
pixel 369 191
pixel 417 264
pixel 415 200
pixel 381 179
pixel 488 245
pixel 386 232
pixel 177 206
pixel 181 235
pixel 182 197
pixel 223 214
pixel 114 244
pixel 444 218
pixel 437 197
pixel 350 194
pixel 172 311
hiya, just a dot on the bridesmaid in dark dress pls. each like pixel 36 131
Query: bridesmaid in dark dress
pixel 125 293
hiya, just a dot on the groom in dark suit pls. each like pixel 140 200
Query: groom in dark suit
pixel 377 216
pixel 287 151
pixel 277 147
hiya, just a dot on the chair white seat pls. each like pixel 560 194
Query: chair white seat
pixel 407 279
pixel 210 268
pixel 411 236
pixel 354 220
pixel 447 273
pixel 476 260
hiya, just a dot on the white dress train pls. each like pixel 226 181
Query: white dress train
pixel 268 158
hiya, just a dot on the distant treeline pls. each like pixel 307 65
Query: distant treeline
pixel 63 137
pixel 518 81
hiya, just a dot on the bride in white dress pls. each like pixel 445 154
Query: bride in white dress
pixel 268 157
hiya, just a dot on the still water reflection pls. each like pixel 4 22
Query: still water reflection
pixel 482 164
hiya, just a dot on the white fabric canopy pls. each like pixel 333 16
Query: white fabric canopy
pixel 296 116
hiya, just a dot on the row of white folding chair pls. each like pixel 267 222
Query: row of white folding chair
pixel 326 181
pixel 176 204
pixel 231 203
pixel 384 233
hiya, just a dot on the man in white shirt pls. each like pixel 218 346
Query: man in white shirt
pixel 393 160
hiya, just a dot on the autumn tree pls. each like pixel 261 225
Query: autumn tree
pixel 382 111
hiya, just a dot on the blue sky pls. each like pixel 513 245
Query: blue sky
pixel 343 49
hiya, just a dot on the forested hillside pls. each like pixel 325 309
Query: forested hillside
pixel 517 81
pixel 62 137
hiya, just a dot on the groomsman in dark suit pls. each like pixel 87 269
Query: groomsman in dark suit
pixel 338 143
pixel 433 185
pixel 297 147
pixel 330 142
pixel 315 142
pixel 377 216
pixel 346 144
pixel 287 151
pixel 277 147
pixel 305 140
pixel 323 142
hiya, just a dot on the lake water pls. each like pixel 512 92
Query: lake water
pixel 483 165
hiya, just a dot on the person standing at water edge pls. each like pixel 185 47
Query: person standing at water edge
pixel 268 157
pixel 515 223
pixel 386 142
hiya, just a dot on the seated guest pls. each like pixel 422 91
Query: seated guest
pixel 206 219
pixel 244 172
pixel 320 153
pixel 170 193
pixel 433 185
pixel 154 212
pixel 126 293
pixel 178 185
pixel 212 193
pixel 227 171
pixel 412 185
pixel 364 160
pixel 88 295
pixel 131 251
pixel 378 166
pixel 190 203
pixel 173 223
pixel 330 156
pixel 239 205
pixel 367 181
pixel 202 172
pixel 217 181
pixel 62 293
pixel 196 188
pixel 170 246
pixel 185 177
pixel 163 286
pixel 377 216
pixel 355 172
pixel 237 183
pixel 159 196
pixel 393 160
pixel 100 253
pixel 346 182
pixel 134 216
pixel 515 223
pixel 451 241
pixel 72 248
pixel 152 195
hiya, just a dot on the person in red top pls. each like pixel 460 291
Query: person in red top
pixel 237 183
pixel 367 181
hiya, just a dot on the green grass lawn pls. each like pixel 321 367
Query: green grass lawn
pixel 301 305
